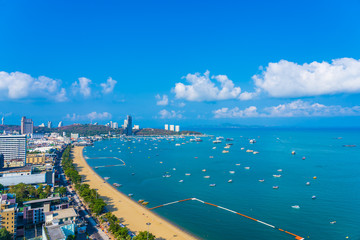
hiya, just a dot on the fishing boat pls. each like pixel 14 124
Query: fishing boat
pixel 249 150
pixel 145 203
pixel 230 181
pixel 275 187
pixel 314 177
pixel 141 201
pixel 212 185
pixel 296 206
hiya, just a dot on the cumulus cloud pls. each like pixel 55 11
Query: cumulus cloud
pixel 202 88
pixel 165 114
pixel 236 112
pixel 288 79
pixel 162 101
pixel 108 86
pixel 90 116
pixel 82 86
pixel 296 108
pixel 18 85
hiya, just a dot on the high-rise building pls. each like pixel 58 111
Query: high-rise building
pixel 49 125
pixel 115 125
pixel 27 126
pixel 172 128
pixel 2 120
pixel 60 124
pixel 111 124
pixel 13 147
pixel 128 126
pixel 8 211
pixel 136 127
pixel 166 127
pixel 177 128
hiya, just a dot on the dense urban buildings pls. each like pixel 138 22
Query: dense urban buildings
pixel 27 126
pixel 13 147
pixel 8 211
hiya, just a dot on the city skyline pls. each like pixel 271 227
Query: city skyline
pixel 194 64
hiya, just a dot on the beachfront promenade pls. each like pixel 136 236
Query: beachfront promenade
pixel 134 215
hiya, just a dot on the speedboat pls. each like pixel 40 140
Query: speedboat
pixel 313 197
pixel 206 176
pixel 106 178
pixel 187 174
pixel 252 141
pixel 231 172
pixel 275 187
pixel 307 183
pixel 212 185
pixel 181 180
pixel 261 180
pixel 224 151
pixel 279 170
pixel 217 141
pixel 295 206
pixel 230 181
pixel 247 168
pixel 204 170
pixel 293 152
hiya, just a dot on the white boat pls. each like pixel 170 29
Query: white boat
pixel 275 175
pixel 220 138
pixel 212 185
pixel 252 141
pixel 247 168
pixel 231 172
pixel 261 180
pixel 204 170
pixel 181 180
pixel 227 146
pixel 237 164
pixel 178 144
pixel 295 206
pixel 214 148
pixel 307 183
pixel 187 174
pixel 313 197
pixel 224 151
pixel 275 187
pixel 279 170
pixel 242 148
pixel 206 176
pixel 106 178
pixel 249 150
pixel 217 141
pixel 230 181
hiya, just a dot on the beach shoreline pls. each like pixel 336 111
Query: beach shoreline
pixel 134 216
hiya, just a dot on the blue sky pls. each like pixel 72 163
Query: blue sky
pixel 271 63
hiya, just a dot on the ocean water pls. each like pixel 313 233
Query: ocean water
pixel 336 187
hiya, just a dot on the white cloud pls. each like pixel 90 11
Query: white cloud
pixel 288 79
pixel 201 88
pixel 90 116
pixel 296 108
pixel 108 86
pixel 162 101
pixel 182 104
pixel 249 95
pixel 165 114
pixel 18 85
pixel 236 112
pixel 301 108
pixel 82 87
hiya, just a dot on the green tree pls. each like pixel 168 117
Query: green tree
pixel 5 235
pixel 71 237
pixel 143 236
pixel 1 187
pixel 47 190
pixel 62 191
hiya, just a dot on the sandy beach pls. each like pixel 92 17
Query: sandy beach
pixel 134 215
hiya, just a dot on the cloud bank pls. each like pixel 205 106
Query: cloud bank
pixel 90 116
pixel 296 108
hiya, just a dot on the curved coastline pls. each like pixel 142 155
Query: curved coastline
pixel 134 216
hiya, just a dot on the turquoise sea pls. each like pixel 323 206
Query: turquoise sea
pixel 336 187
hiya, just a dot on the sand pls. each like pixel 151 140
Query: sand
pixel 134 215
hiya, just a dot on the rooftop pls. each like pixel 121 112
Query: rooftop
pixel 42 200
pixel 16 169
pixel 64 213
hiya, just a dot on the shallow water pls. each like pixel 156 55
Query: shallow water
pixel 337 169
